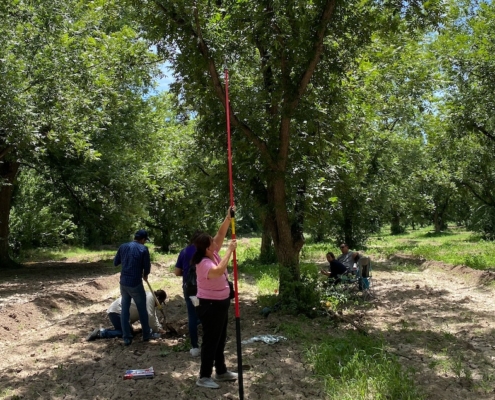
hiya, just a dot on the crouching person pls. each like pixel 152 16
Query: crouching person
pixel 115 310
pixel 335 269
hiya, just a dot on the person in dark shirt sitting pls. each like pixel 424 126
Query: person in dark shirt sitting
pixel 335 269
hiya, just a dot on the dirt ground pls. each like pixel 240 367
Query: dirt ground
pixel 438 320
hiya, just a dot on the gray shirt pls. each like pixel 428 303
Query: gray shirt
pixel 347 259
pixel 116 307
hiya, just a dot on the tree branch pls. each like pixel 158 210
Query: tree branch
pixel 482 129
pixel 219 91
pixel 317 51
pixel 476 194
pixel 6 150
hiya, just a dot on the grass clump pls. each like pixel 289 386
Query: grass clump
pixel 357 367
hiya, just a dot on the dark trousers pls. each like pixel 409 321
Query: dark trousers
pixel 213 315
pixel 192 320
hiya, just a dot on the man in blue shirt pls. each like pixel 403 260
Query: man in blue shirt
pixel 136 265
pixel 182 269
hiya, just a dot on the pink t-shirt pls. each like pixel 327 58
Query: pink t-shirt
pixel 211 289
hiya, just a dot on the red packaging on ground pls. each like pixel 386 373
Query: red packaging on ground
pixel 147 373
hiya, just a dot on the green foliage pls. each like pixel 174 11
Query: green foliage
pixel 304 299
pixel 476 262
pixel 288 61
pixel 40 217
pixel 357 367
pixel 73 112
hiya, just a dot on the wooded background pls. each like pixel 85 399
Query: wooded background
pixel 347 116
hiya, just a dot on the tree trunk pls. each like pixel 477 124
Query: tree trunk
pixel 266 250
pixel 166 240
pixel 288 242
pixel 348 224
pixel 395 226
pixel 8 174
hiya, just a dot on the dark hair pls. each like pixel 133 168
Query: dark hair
pixel 195 235
pixel 202 242
pixel 343 245
pixel 160 295
pixel 331 255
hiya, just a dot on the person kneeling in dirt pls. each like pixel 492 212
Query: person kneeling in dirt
pixel 335 269
pixel 115 310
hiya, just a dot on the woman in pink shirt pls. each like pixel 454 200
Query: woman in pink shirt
pixel 214 303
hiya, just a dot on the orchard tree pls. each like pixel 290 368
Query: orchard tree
pixel 281 55
pixel 70 70
pixel 466 46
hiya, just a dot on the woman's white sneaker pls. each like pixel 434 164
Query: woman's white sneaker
pixel 228 376
pixel 207 383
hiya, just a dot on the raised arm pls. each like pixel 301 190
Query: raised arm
pixel 219 269
pixel 222 231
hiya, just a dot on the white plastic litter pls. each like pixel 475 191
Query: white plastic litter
pixel 194 300
pixel 268 339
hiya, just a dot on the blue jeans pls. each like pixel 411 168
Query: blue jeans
pixel 192 321
pixel 117 324
pixel 137 294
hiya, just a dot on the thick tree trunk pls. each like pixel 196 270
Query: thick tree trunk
pixel 439 216
pixel 288 242
pixel 8 174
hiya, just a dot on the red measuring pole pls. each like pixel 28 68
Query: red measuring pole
pixel 234 257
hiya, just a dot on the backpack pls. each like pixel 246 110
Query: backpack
pixel 191 284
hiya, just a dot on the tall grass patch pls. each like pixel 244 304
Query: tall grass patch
pixel 357 367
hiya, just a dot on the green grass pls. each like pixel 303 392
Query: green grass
pixel 455 246
pixel 357 367
pixel 67 252
pixel 82 254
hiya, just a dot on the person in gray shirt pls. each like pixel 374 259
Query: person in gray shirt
pixel 348 258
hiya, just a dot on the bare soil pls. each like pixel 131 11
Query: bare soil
pixel 438 320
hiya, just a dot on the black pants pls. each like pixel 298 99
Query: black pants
pixel 213 315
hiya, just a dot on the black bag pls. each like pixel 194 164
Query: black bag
pixel 232 291
pixel 191 284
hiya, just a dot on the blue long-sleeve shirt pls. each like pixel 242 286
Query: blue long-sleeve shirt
pixel 135 260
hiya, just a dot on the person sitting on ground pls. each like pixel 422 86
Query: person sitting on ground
pixel 348 258
pixel 114 312
pixel 182 269
pixel 335 269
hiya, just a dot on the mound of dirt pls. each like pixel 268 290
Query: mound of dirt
pixel 44 354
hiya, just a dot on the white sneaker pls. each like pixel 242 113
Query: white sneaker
pixel 228 376
pixel 195 352
pixel 207 383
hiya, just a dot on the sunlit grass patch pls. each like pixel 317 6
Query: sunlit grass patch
pixel 156 256
pixel 317 251
pixel 357 367
pixel 77 254
pixel 267 284
pixel 456 246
